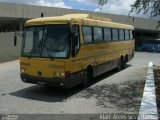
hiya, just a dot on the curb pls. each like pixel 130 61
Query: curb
pixel 148 104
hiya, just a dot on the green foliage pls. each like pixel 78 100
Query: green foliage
pixel 102 2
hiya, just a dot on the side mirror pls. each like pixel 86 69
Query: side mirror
pixel 15 40
pixel 21 35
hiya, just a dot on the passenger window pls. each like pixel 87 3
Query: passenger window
pixel 98 36
pixel 126 34
pixel 87 34
pixel 114 34
pixel 107 34
pixel 121 34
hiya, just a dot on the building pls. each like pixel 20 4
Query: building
pixel 13 16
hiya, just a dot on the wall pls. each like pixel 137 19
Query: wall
pixel 23 11
pixel 20 12
pixel 8 51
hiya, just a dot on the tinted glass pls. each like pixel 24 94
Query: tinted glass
pixel 107 34
pixel 126 34
pixel 114 34
pixel 32 41
pixel 121 34
pixel 87 34
pixel 46 41
pixel 98 36
pixel 55 44
pixel 131 34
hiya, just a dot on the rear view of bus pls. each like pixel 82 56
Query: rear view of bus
pixel 54 51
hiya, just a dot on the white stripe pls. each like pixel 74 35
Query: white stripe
pixel 150 64
pixel 148 103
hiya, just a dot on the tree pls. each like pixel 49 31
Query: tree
pixel 102 2
pixel 152 6
pixel 145 6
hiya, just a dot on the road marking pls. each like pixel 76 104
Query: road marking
pixel 148 103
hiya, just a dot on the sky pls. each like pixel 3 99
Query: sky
pixel 121 7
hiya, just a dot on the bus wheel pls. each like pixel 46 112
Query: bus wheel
pixel 119 67
pixel 85 78
pixel 125 61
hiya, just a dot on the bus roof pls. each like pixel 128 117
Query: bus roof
pixel 77 17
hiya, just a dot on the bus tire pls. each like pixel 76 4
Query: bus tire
pixel 85 78
pixel 125 61
pixel 90 73
pixel 126 58
pixel 120 64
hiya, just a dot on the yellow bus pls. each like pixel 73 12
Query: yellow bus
pixel 72 49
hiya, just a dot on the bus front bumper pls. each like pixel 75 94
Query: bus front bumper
pixel 69 82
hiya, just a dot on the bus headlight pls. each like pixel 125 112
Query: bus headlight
pixel 23 70
pixel 63 74
pixel 60 74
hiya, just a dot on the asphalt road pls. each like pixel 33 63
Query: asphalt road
pixel 112 92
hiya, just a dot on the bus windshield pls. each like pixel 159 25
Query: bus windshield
pixel 46 41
